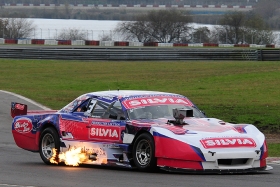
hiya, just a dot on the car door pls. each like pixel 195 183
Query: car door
pixel 73 127
pixel 76 125
pixel 106 122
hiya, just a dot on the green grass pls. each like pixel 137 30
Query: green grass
pixel 246 92
pixel 240 92
pixel 274 149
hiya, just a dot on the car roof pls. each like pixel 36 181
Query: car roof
pixel 128 93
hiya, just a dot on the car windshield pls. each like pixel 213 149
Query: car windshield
pixel 159 111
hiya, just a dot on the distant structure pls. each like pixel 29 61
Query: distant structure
pixel 7 5
pixel 133 2
pixel 196 7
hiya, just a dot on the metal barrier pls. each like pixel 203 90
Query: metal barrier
pixel 139 53
pixel 269 55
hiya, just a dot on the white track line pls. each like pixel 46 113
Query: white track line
pixel 26 99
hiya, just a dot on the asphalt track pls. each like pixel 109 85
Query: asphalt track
pixel 22 168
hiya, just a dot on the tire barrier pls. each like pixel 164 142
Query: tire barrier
pixel 51 42
pixel 92 42
pixel 11 41
pixel 180 45
pixel 38 41
pixel 125 43
pixel 210 45
pixel 121 43
pixel 154 44
pixel 64 42
pixel 139 53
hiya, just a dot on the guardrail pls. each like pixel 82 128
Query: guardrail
pixel 138 53
pixel 268 55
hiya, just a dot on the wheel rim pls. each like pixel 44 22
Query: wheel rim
pixel 47 145
pixel 143 152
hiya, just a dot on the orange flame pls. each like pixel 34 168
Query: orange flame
pixel 53 158
pixel 74 157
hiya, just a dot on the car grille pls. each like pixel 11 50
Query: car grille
pixel 233 162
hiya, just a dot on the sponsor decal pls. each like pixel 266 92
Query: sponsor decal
pixel 229 142
pixel 105 123
pixel 148 101
pixel 19 106
pixel 23 125
pixel 105 133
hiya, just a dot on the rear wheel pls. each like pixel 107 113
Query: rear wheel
pixel 144 153
pixel 49 140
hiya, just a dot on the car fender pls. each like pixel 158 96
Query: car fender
pixel 168 146
pixel 47 121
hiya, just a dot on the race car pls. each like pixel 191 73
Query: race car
pixel 147 130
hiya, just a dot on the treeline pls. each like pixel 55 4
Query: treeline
pixel 134 2
pixel 173 26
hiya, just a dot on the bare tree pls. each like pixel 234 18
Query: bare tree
pixel 134 30
pixel 16 27
pixel 232 24
pixel 201 35
pixel 256 30
pixel 3 28
pixel 71 34
pixel 239 27
pixel 164 26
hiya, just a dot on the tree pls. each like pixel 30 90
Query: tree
pixel 256 30
pixel 232 27
pixel 201 35
pixel 71 34
pixel 239 27
pixel 135 30
pixel 16 27
pixel 164 26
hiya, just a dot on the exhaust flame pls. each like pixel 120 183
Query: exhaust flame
pixel 75 156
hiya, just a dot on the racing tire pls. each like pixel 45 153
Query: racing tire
pixel 144 153
pixel 49 139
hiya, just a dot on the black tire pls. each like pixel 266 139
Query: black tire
pixel 144 153
pixel 49 139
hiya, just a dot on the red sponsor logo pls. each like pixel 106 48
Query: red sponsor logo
pixel 23 125
pixel 227 142
pixel 105 133
pixel 148 101
pixel 19 106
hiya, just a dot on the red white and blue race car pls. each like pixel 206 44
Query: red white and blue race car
pixel 142 129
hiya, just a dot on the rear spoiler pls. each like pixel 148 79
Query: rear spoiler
pixel 18 109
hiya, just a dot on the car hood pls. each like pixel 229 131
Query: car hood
pixel 192 125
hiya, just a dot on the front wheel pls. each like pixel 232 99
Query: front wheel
pixel 144 153
pixel 49 140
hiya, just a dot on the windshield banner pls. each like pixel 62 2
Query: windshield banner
pixel 156 100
